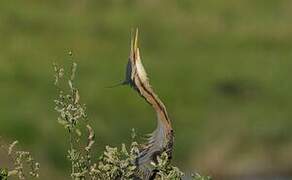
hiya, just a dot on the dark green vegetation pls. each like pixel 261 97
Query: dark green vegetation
pixel 222 68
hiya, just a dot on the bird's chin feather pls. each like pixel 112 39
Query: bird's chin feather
pixel 141 71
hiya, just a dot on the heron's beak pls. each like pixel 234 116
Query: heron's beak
pixel 134 53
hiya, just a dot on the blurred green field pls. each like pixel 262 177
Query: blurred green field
pixel 223 69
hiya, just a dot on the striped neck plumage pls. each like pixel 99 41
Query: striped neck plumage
pixel 161 138
pixel 140 82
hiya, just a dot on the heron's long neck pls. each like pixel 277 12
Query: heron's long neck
pixel 162 137
pixel 148 94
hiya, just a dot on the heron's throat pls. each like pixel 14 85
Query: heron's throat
pixel 146 91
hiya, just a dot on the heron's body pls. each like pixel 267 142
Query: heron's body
pixel 161 139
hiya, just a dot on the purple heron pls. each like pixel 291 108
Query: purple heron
pixel 161 139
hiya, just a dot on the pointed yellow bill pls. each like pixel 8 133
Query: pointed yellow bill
pixel 134 52
pixel 136 40
pixel 131 45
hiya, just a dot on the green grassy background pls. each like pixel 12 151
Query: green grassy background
pixel 223 69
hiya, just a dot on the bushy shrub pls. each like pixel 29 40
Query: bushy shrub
pixel 24 165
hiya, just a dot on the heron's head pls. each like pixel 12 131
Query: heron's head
pixel 134 51
pixel 134 66
pixel 136 59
